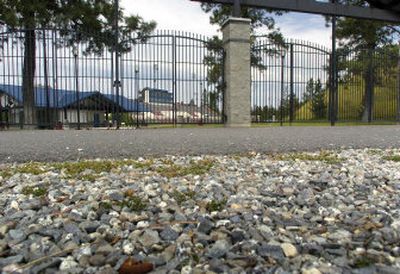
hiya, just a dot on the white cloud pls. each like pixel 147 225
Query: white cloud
pixel 305 27
pixel 182 15
pixel 185 15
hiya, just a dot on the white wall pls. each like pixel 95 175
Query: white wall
pixel 86 116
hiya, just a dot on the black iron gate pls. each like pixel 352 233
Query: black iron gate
pixel 291 82
pixel 73 79
pixel 286 79
pixel 177 78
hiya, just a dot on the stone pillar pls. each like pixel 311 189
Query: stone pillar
pixel 236 38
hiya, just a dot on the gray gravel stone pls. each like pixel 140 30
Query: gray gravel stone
pixel 11 260
pixel 253 213
pixel 149 238
pixel 205 226
pixel 168 234
pixel 218 250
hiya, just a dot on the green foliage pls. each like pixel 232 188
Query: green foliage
pixel 215 205
pixel 105 205
pixel 75 170
pixel 323 156
pixel 34 191
pixel 316 95
pixel 259 18
pixel 286 103
pixel 264 114
pixel 361 34
pixel 31 168
pixel 393 158
pixel 134 203
pixel 6 174
pixel 365 261
pixel 214 60
pixel 180 197
pixel 82 16
pixel 363 38
pixel 195 168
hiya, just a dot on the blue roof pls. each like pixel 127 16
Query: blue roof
pixel 160 96
pixel 129 105
pixel 60 98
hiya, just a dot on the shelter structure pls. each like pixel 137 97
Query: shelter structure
pixel 56 106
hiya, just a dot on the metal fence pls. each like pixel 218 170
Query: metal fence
pixel 57 78
pixel 291 82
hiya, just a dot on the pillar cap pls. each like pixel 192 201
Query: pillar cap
pixel 238 20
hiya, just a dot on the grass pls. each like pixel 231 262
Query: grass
pixel 323 156
pixel 134 203
pixel 374 152
pixel 312 123
pixel 350 102
pixel 35 191
pixel 306 123
pixel 364 261
pixel 91 170
pixel 158 126
pixel 215 205
pixel 105 205
pixel 180 197
pixel 172 170
pixel 75 169
pixel 30 168
pixel 393 158
pixel 6 174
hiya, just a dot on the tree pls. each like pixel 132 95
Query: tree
pixel 287 102
pixel 264 114
pixel 259 18
pixel 90 21
pixel 316 96
pixel 364 37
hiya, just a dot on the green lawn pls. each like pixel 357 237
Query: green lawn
pixel 350 102
pixel 277 124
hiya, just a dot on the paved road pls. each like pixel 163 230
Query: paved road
pixel 23 146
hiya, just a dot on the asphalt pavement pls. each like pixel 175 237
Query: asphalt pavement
pixel 44 146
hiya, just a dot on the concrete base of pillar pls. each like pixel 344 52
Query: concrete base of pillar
pixel 29 127
pixel 243 125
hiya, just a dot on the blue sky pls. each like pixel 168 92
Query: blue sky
pixel 185 15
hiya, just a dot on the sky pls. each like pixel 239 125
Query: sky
pixel 185 15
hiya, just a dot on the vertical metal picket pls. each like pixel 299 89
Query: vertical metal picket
pixel 117 83
pixel 291 84
pixel 398 86
pixel 174 71
pixel 47 124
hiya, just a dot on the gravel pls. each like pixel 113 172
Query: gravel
pixel 22 146
pixel 323 212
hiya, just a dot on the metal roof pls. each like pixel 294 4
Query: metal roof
pixel 59 98
pixel 392 5
pixel 385 10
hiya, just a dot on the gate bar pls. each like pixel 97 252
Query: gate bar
pixel 323 8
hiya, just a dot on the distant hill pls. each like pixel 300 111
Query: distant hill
pixel 350 102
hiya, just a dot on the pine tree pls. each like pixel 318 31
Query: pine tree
pixel 364 37
pixel 316 96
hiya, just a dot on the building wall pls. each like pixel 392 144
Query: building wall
pixel 86 116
